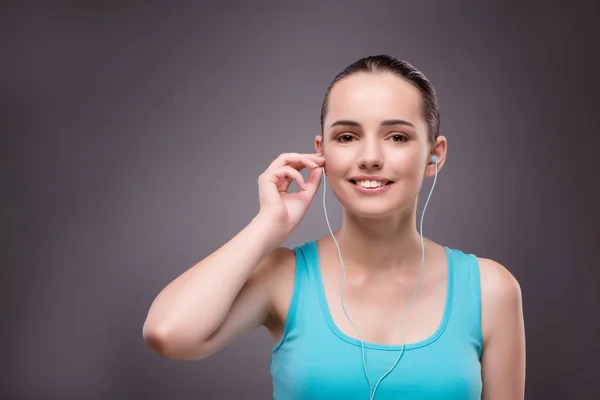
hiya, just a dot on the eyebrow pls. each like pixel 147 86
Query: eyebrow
pixel 387 122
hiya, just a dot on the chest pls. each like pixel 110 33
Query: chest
pixel 379 308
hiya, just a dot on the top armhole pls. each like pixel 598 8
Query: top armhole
pixel 290 319
pixel 476 281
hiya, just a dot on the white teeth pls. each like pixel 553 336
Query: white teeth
pixel 370 184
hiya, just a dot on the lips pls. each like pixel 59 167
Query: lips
pixel 376 190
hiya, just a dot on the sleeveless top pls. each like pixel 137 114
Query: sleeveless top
pixel 315 360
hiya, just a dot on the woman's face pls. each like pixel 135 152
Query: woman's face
pixel 374 127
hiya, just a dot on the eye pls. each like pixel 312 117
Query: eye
pixel 344 138
pixel 399 138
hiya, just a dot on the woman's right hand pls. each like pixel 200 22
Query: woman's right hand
pixel 279 207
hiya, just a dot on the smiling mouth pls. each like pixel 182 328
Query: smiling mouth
pixel 370 184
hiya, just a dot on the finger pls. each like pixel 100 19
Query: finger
pixel 311 161
pixel 316 157
pixel 297 161
pixel 313 182
pixel 284 172
pixel 285 185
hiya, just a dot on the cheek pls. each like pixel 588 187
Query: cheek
pixel 409 167
pixel 338 162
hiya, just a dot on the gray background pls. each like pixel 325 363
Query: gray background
pixel 133 134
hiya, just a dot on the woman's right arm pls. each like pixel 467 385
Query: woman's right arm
pixel 184 320
pixel 227 294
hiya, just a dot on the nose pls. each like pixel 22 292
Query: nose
pixel 370 156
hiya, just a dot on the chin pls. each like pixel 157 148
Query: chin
pixel 371 208
pixel 373 211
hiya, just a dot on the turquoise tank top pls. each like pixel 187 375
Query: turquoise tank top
pixel 315 360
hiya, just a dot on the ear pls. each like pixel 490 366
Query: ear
pixel 319 148
pixel 439 150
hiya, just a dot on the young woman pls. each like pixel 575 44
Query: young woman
pixel 372 310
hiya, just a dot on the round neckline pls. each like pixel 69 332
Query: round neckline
pixel 378 346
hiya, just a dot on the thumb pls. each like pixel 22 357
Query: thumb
pixel 313 182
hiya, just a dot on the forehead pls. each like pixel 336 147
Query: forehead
pixel 367 97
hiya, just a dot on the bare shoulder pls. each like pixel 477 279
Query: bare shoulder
pixel 503 327
pixel 273 262
pixel 500 293
pixel 276 269
pixel 496 279
pixel 497 282
pixel 277 265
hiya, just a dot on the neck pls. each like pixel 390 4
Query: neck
pixel 380 245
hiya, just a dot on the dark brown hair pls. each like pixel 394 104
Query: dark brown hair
pixel 386 63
